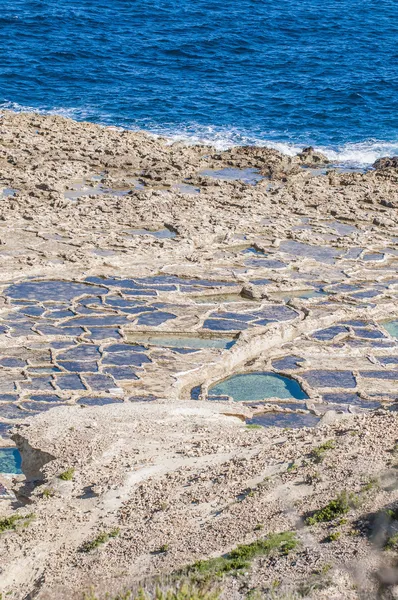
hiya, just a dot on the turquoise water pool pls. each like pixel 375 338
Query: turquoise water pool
pixel 391 327
pixel 258 386
pixel 10 461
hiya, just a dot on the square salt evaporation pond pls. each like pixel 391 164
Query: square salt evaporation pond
pixel 304 294
pixel 184 341
pixel 350 399
pixel 223 299
pixel 329 333
pixel 98 401
pixel 248 176
pixel 51 291
pixel 287 363
pixel 246 387
pixel 322 254
pixel 391 327
pixel 265 263
pixel 10 461
pixel 384 374
pixel 329 379
pixel 342 228
pixel 284 420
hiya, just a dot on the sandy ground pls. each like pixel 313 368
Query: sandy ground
pixel 119 252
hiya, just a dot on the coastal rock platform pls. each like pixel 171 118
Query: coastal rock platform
pixel 198 349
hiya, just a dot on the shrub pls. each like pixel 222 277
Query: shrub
pixel 240 557
pixel 14 521
pixel 318 454
pixel 339 506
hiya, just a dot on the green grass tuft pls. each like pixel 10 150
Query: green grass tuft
pixel 240 557
pixel 334 536
pixel 14 522
pixel 372 484
pixel 67 475
pixel 101 538
pixel 318 454
pixel 337 507
pixel 392 542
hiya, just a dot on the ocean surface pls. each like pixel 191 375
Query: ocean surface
pixel 269 72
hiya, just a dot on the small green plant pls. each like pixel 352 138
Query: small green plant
pixel 253 426
pixel 292 467
pixel 67 475
pixel 318 454
pixel 253 594
pixel 240 557
pixel 324 570
pixel 48 493
pixel 339 506
pixel 101 538
pixel 259 527
pixel 15 521
pixel 372 484
pixel 164 548
pixel 334 536
pixel 312 478
pixel 392 542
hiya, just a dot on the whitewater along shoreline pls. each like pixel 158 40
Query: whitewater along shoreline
pixel 133 270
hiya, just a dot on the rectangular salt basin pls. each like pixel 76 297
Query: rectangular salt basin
pixel 183 341
pixel 304 294
pixel 391 327
pixel 221 299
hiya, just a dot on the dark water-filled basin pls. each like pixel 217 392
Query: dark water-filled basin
pixel 284 420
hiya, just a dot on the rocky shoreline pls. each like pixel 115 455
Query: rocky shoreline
pixel 136 276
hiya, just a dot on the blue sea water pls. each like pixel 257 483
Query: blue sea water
pixel 269 72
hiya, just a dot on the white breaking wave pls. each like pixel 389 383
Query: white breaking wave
pixel 349 155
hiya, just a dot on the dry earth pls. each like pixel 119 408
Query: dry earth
pixel 135 276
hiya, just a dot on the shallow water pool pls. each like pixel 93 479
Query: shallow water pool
pixel 221 299
pixel 280 419
pixel 250 176
pixel 257 386
pixel 304 294
pixel 391 327
pixel 184 341
pixel 160 234
pixel 10 461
